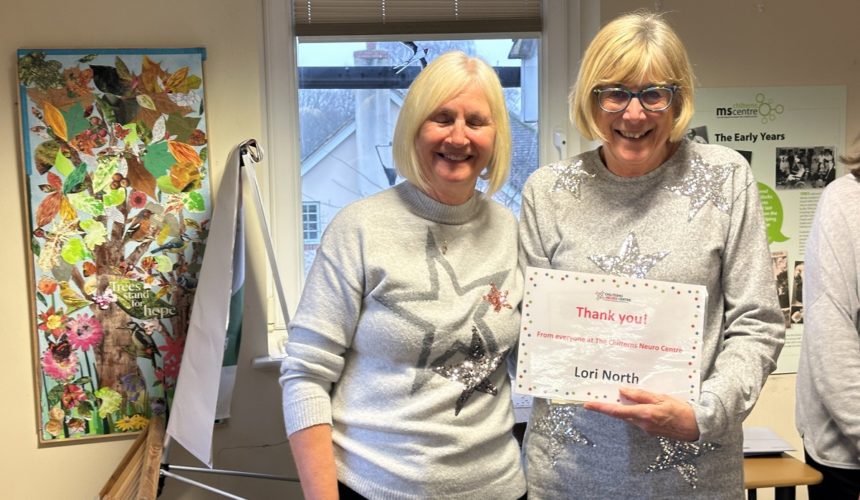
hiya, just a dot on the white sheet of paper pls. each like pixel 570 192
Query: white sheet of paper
pixel 584 335
pixel 763 441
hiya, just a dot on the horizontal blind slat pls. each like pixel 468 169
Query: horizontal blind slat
pixel 378 17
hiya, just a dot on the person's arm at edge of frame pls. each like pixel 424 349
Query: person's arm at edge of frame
pixel 830 327
pixel 313 453
pixel 313 364
pixel 320 333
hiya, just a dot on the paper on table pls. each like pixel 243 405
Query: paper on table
pixel 763 441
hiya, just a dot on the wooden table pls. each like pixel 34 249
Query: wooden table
pixel 782 472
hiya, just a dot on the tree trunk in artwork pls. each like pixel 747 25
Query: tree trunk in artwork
pixel 113 359
pixel 179 323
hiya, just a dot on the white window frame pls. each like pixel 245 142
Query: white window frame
pixel 568 25
pixel 307 215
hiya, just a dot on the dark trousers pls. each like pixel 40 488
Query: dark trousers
pixel 346 493
pixel 838 484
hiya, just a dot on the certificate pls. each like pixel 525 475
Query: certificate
pixel 584 335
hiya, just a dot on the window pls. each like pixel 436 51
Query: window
pixel 311 222
pixel 566 23
pixel 350 94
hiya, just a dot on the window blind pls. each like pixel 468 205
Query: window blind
pixel 395 17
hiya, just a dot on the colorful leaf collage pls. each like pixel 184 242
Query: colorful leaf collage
pixel 118 192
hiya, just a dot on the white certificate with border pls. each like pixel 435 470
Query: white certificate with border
pixel 583 336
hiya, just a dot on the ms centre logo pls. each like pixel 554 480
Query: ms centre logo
pixel 763 108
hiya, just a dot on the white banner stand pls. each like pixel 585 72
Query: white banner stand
pixel 249 154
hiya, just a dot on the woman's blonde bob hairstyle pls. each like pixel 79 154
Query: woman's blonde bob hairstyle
pixel 443 79
pixel 635 48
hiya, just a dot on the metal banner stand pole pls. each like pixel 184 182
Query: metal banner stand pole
pixel 251 153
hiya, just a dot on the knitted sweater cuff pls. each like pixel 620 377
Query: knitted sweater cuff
pixel 307 412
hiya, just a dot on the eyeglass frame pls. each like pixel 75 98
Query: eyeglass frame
pixel 631 94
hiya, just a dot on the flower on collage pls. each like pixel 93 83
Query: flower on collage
pixel 72 396
pixel 104 300
pixel 47 285
pixel 137 199
pixel 77 425
pixel 133 385
pixel 172 354
pixel 53 322
pixel 110 401
pixel 59 361
pixel 85 331
pixel 148 263
pixel 54 426
pixel 133 423
pixel 135 392
pixel 139 421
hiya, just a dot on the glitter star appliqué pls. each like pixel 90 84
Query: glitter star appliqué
pixel 680 455
pixel 703 184
pixel 570 176
pixel 497 298
pixel 629 262
pixel 473 372
pixel 557 426
pixel 423 308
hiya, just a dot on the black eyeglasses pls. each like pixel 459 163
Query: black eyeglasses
pixel 616 99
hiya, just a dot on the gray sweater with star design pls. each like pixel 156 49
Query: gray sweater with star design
pixel 695 219
pixel 400 342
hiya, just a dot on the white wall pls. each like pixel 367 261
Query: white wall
pixel 731 43
pixel 230 30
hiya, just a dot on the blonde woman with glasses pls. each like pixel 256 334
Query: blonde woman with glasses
pixel 650 203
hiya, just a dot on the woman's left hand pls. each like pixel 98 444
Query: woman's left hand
pixel 656 414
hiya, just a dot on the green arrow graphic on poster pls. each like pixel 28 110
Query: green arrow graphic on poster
pixel 773 214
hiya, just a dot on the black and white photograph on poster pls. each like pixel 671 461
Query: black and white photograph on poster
pixel 780 276
pixel 823 167
pixel 698 134
pixel 804 168
pixel 797 284
pixel 797 293
pixel 797 315
pixel 746 154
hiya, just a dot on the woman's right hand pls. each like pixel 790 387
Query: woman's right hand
pixel 313 453
pixel 657 414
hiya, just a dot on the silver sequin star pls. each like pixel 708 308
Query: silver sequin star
pixel 570 176
pixel 557 426
pixel 629 262
pixel 473 372
pixel 680 455
pixel 703 184
pixel 421 308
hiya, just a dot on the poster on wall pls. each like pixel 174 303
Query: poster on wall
pixel 117 193
pixel 792 137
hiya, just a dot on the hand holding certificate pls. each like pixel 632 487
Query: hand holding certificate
pixel 584 336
